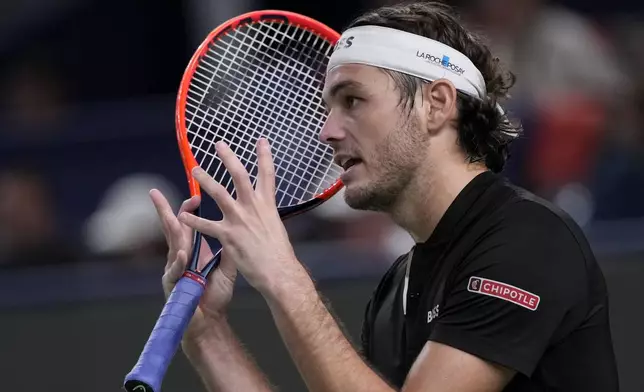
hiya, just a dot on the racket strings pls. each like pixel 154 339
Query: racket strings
pixel 289 100
pixel 264 80
pixel 254 110
pixel 319 174
pixel 319 69
pixel 241 46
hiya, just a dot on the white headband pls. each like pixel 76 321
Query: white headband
pixel 408 53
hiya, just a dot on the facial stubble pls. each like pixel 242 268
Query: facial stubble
pixel 394 164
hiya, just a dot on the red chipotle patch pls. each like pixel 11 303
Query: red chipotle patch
pixel 503 291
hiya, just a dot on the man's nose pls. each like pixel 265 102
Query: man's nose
pixel 332 129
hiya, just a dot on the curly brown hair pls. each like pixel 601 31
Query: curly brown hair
pixel 484 133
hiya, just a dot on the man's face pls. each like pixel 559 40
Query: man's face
pixel 379 142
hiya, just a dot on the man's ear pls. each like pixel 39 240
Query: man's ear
pixel 440 98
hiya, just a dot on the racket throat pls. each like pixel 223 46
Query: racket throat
pixel 193 276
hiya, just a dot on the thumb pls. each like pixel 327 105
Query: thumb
pixel 174 272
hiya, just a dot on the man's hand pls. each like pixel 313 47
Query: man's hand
pixel 209 342
pixel 179 237
pixel 251 231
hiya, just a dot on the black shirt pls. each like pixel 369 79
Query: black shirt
pixel 504 276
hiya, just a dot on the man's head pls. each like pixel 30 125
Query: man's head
pixel 389 125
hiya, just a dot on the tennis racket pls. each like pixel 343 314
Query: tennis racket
pixel 257 75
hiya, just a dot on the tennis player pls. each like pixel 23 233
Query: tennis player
pixel 501 291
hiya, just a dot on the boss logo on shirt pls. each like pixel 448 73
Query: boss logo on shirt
pixel 503 291
pixel 432 314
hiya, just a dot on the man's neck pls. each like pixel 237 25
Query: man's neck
pixel 428 197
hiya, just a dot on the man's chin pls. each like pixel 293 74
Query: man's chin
pixel 359 198
pixel 352 196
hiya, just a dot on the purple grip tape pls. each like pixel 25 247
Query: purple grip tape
pixel 148 373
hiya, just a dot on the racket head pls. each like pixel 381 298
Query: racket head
pixel 261 74
pixel 272 82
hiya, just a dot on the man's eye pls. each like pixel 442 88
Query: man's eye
pixel 350 101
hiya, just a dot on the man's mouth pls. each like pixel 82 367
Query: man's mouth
pixel 348 163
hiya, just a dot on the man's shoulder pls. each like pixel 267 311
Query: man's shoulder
pixel 530 240
pixel 524 213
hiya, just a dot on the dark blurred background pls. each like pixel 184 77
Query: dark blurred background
pixel 87 92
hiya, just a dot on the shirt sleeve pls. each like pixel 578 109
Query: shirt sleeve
pixel 507 300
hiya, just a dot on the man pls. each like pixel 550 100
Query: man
pixel 501 291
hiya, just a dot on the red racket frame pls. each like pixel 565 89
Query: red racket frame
pixel 305 22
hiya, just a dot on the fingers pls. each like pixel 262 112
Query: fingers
pixel 164 210
pixel 241 178
pixel 201 225
pixel 172 229
pixel 189 205
pixel 174 271
pixel 266 176
pixel 177 268
pixel 219 194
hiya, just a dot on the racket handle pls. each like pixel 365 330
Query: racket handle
pixel 149 371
